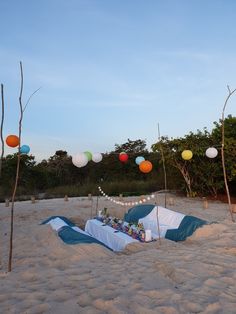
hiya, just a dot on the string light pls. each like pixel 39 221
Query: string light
pixel 143 200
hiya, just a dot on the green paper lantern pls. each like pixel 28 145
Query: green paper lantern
pixel 89 155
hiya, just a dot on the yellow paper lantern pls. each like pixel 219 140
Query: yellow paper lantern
pixel 187 154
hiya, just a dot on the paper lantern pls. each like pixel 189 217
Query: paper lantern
pixel 89 155
pixel 187 154
pixel 74 161
pixel 145 166
pixel 139 159
pixel 80 160
pixel 96 157
pixel 123 157
pixel 25 149
pixel 12 140
pixel 211 152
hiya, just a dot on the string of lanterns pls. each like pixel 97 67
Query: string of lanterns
pixel 81 159
pixel 143 200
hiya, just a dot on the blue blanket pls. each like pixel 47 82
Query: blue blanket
pixel 71 236
pixel 186 228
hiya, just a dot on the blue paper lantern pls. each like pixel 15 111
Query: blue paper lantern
pixel 139 159
pixel 25 149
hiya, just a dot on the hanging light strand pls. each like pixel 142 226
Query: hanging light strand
pixel 144 200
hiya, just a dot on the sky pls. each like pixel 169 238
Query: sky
pixel 112 70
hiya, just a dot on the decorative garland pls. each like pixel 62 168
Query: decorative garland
pixel 144 200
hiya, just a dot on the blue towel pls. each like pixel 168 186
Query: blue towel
pixel 71 236
pixel 66 220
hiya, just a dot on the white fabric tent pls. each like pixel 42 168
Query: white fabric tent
pixel 168 219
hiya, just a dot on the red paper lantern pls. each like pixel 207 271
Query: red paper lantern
pixel 12 140
pixel 123 157
pixel 145 166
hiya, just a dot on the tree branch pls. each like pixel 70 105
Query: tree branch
pixel 30 98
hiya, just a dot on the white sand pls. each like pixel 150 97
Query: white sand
pixel 194 276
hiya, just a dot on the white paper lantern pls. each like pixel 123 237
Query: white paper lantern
pixel 211 152
pixel 97 157
pixel 80 160
pixel 74 161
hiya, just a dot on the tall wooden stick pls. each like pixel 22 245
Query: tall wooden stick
pixel 158 224
pixel 222 152
pixel 17 172
pixel 163 163
pixel 97 205
pixel 2 154
pixel 1 129
pixel 91 213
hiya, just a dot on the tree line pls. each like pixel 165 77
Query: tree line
pixel 200 176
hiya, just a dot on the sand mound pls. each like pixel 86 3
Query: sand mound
pixel 48 276
pixel 57 248
pixel 212 230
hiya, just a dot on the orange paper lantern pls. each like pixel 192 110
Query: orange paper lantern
pixel 145 166
pixel 12 140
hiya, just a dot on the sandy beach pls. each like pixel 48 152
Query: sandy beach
pixel 48 276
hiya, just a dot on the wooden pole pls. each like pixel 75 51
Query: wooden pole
pixel 33 199
pixel 18 165
pixel 222 153
pixel 97 205
pixel 158 227
pixel 205 203
pixel 1 130
pixel 17 173
pixel 91 199
pixel 158 224
pixel 163 163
